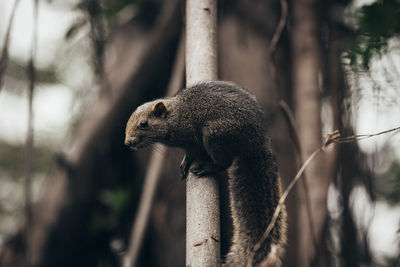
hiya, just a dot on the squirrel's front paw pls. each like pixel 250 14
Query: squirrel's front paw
pixel 204 168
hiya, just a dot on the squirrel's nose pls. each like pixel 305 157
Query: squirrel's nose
pixel 131 141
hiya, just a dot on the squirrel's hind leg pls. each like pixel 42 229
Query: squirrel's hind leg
pixel 219 151
pixel 217 156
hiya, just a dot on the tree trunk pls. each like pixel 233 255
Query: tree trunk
pixel 202 195
pixel 306 49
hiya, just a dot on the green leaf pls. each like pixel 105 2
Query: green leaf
pixel 377 23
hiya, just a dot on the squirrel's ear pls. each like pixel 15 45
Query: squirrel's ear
pixel 159 109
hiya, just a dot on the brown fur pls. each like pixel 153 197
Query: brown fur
pixel 220 126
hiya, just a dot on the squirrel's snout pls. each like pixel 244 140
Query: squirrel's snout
pixel 131 142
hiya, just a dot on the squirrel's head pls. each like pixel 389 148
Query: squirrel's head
pixel 147 124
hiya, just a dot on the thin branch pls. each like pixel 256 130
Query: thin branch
pixel 30 135
pixel 275 38
pixel 295 137
pixel 291 122
pixel 279 28
pixel 97 37
pixel 353 138
pixel 4 54
pixel 154 170
pixel 332 138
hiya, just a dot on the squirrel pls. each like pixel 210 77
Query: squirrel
pixel 220 127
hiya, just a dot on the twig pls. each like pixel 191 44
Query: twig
pixel 361 136
pixel 332 138
pixel 30 136
pixel 275 38
pixel 4 54
pixel 154 170
pixel 291 122
pixel 295 137
pixel 279 28
pixel 97 37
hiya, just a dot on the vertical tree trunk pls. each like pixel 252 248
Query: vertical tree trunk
pixel 202 199
pixel 307 99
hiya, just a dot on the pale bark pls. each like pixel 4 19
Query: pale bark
pixel 202 199
pixel 307 98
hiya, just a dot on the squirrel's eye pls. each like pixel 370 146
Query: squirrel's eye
pixel 144 124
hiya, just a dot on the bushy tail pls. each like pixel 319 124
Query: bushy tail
pixel 254 194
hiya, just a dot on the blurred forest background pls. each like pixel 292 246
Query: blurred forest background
pixel 71 73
